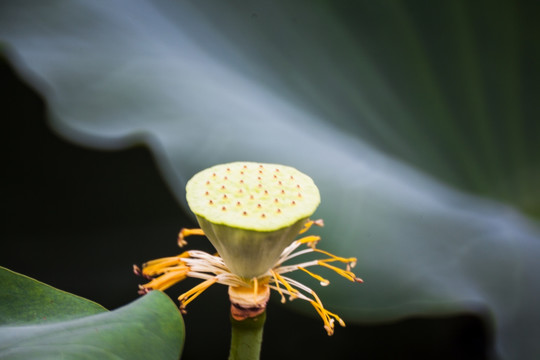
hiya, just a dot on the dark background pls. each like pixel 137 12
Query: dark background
pixel 77 219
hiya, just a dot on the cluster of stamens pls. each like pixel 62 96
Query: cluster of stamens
pixel 165 272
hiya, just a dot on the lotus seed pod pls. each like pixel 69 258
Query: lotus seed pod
pixel 251 211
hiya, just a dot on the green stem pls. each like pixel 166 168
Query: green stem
pixel 246 338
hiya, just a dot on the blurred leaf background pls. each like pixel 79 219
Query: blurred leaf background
pixel 418 121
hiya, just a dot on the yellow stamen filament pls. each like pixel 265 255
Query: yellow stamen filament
pixel 337 258
pixel 168 279
pixel 255 289
pixel 278 288
pixel 328 323
pixel 184 233
pixel 323 281
pixel 190 295
pixel 159 266
pixel 310 241
pixel 306 227
pixel 327 316
pixel 341 322
pixel 292 291
pixel 310 223
pixel 345 273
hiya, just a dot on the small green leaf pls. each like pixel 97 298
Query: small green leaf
pixel 69 327
pixel 41 303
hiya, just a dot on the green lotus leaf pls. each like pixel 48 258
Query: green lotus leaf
pixel 40 322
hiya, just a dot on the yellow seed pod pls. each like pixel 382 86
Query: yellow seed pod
pixel 251 211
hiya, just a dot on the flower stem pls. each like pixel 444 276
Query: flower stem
pixel 246 338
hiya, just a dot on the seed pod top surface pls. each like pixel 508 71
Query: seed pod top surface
pixel 252 196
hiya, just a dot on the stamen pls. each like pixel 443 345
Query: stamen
pixel 292 291
pixel 310 223
pixel 190 295
pixel 184 233
pixel 310 241
pixel 137 271
pixel 337 258
pixel 255 289
pixel 278 288
pixel 346 274
pixel 143 290
pixel 328 317
pixel 159 266
pixel 324 282
pixel 328 323
pixel 168 279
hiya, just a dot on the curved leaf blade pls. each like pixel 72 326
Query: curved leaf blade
pixel 149 328
pixel 27 301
